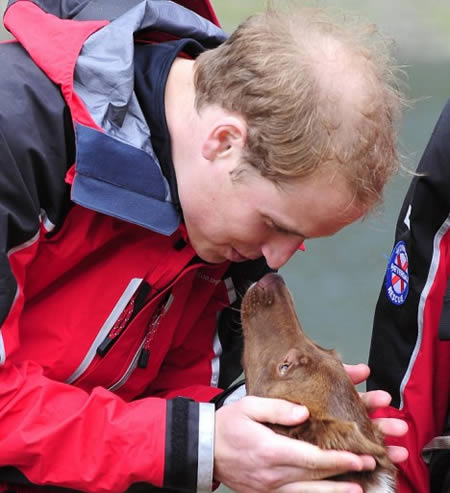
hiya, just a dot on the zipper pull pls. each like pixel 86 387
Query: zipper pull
pixel 117 329
pixel 141 297
pixel 144 356
pixel 105 346
pixel 136 302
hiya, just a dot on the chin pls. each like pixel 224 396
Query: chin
pixel 211 257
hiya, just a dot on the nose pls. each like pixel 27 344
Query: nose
pixel 279 250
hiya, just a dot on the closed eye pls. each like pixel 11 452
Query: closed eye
pixel 276 227
pixel 282 229
pixel 279 229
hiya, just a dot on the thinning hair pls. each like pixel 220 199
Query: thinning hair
pixel 317 95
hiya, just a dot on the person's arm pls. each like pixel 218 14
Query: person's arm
pixel 36 148
pixel 410 350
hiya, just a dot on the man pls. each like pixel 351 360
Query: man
pixel 196 171
pixel 410 349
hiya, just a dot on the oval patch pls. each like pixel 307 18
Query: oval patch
pixel 397 276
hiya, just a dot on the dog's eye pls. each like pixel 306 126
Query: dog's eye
pixel 283 368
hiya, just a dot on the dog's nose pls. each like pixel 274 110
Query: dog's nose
pixel 269 279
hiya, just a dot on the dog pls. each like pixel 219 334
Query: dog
pixel 280 361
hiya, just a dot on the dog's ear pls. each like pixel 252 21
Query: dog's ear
pixel 330 433
pixel 292 359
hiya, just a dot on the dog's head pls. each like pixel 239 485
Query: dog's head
pixel 281 361
pixel 279 358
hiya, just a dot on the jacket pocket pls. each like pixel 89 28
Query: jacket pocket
pixel 115 324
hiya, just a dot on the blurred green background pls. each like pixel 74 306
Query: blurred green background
pixel 336 282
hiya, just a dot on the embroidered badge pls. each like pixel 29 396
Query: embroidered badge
pixel 397 277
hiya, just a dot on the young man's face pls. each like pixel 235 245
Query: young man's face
pixel 252 217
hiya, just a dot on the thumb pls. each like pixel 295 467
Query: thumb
pixel 274 411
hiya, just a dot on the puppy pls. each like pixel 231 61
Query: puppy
pixel 280 361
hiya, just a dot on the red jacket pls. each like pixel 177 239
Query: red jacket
pixel 107 316
pixel 410 350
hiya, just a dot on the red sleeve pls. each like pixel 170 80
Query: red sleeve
pixel 111 443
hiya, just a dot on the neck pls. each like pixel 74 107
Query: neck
pixel 179 97
pixel 183 122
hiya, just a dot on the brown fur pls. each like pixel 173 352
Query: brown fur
pixel 280 361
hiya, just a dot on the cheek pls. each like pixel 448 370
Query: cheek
pixel 202 222
pixel 249 238
pixel 233 223
pixel 251 225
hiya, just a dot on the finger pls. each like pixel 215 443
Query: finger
pixel 310 471
pixel 375 399
pixel 275 411
pixel 357 373
pixel 320 463
pixel 397 454
pixel 320 487
pixel 392 426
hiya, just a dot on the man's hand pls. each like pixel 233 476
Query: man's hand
pixel 377 399
pixel 250 457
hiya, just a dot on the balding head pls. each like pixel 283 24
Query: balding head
pixel 317 94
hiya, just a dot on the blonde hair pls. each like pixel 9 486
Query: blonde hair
pixel 315 93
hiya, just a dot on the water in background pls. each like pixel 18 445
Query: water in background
pixel 336 282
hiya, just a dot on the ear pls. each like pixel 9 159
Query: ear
pixel 292 359
pixel 228 133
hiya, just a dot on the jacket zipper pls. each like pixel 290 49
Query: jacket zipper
pixel 142 355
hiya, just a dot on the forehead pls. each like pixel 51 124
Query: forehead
pixel 315 206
